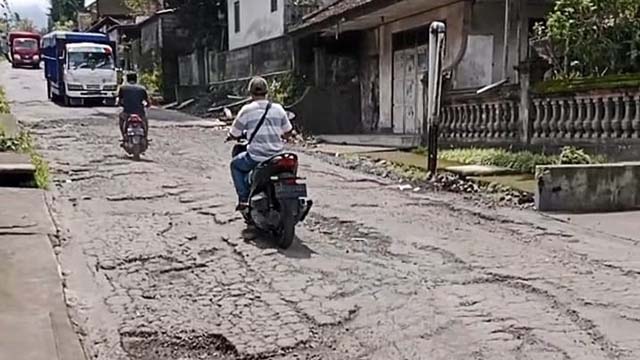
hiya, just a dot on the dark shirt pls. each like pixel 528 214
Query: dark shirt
pixel 131 98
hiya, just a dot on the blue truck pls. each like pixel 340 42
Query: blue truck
pixel 80 67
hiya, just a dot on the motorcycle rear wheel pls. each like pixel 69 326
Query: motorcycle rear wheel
pixel 287 232
pixel 135 152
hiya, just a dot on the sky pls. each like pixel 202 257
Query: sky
pixel 35 10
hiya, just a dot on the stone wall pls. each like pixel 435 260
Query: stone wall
pixel 588 188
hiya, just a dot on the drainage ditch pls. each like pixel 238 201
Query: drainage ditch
pixel 16 170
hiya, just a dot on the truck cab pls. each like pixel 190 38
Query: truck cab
pixel 80 67
pixel 24 49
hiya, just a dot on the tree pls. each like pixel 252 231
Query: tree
pixel 25 25
pixel 62 11
pixel 67 25
pixel 591 37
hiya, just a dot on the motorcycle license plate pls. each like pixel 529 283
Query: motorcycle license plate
pixel 135 131
pixel 135 140
pixel 290 191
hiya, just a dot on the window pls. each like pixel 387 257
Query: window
pixel 90 59
pixel 411 39
pixel 27 44
pixel 236 16
pixel 274 5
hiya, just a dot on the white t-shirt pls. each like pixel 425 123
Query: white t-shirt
pixel 268 141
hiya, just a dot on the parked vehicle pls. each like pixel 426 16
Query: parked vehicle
pixel 24 49
pixel 80 67
pixel 135 138
pixel 278 200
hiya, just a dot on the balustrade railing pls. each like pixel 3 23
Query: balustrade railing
pixel 478 120
pixel 607 116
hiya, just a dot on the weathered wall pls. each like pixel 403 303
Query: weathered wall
pixel 453 15
pixel 150 36
pixel 275 55
pixel 588 188
pixel 257 22
pixel 483 61
pixel 112 8
pixel 161 42
pixel 370 81
pixel 330 110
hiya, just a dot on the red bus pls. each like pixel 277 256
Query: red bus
pixel 24 48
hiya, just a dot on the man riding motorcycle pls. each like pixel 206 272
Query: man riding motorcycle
pixel 267 126
pixel 134 99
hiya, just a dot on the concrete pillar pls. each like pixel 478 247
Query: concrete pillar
pixel 386 78
pixel 525 105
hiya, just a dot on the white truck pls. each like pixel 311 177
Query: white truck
pixel 80 67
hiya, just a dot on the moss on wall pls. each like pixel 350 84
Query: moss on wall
pixel 568 86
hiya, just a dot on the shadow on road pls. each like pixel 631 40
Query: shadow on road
pixel 263 241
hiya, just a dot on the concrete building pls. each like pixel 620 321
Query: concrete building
pixel 255 21
pixel 258 41
pixel 388 42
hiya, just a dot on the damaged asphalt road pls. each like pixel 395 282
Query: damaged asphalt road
pixel 158 266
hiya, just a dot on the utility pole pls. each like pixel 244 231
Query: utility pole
pixel 437 32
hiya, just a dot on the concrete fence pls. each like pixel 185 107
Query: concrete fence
pixel 588 188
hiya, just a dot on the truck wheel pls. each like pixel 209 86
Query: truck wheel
pixel 66 101
pixel 49 91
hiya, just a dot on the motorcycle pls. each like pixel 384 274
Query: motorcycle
pixel 135 140
pixel 278 200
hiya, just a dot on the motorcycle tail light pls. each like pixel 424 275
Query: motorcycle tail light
pixel 287 163
pixel 135 119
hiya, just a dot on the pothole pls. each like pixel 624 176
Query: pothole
pixel 153 346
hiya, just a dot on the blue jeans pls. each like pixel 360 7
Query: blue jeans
pixel 241 166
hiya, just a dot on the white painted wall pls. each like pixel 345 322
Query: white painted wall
pixel 257 22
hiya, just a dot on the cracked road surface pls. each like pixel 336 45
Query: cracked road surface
pixel 158 266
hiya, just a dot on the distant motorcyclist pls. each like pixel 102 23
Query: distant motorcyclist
pixel 134 98
pixel 267 141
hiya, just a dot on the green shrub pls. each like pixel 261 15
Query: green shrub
pixel 152 80
pixel 285 89
pixel 4 103
pixel 591 37
pixel 571 155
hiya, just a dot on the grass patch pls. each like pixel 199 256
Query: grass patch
pixel 521 161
